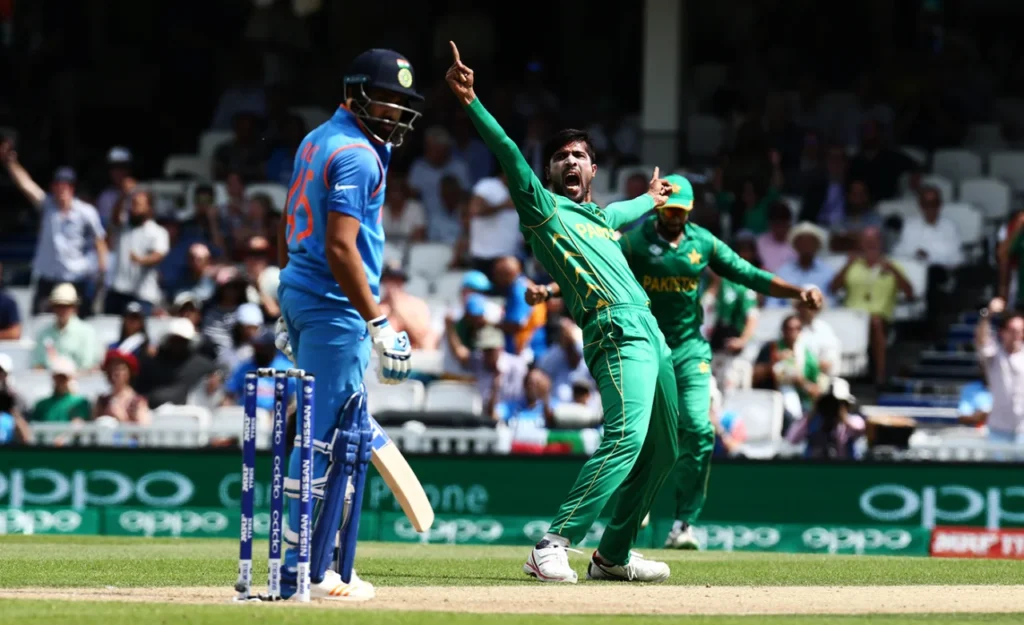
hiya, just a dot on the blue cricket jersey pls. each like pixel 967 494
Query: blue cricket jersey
pixel 337 168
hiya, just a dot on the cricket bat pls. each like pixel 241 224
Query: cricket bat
pixel 401 479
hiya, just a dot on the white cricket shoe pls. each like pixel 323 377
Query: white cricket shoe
pixel 682 538
pixel 639 569
pixel 550 563
pixel 332 588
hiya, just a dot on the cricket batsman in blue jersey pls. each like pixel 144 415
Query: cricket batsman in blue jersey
pixel 332 249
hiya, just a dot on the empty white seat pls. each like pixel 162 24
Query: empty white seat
pixel 157 328
pixel 278 193
pixel 107 327
pixel 704 134
pixel 916 273
pixel 33 384
pixel 418 286
pixel 1008 166
pixel 851 327
pixel 991 195
pixel 448 287
pixel 187 165
pixel 448 396
pixel 956 164
pixel 761 412
pixel 197 416
pixel 312 116
pixel 900 208
pixel 625 173
pixel 20 353
pixel 429 260
pixel 210 140
pixel 969 221
pixel 92 385
pixel 405 397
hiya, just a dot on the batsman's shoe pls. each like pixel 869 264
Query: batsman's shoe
pixel 550 563
pixel 639 569
pixel 682 538
pixel 333 589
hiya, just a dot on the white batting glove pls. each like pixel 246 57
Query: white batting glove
pixel 281 339
pixel 393 351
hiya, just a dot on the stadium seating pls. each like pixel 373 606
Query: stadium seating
pixel 956 165
pixel 187 166
pixel 429 260
pixel 991 195
pixel 450 396
pixel 761 413
pixel 1008 166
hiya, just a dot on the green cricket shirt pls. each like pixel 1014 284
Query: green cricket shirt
pixel 575 243
pixel 670 274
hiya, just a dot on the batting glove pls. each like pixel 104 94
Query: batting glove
pixel 393 351
pixel 281 339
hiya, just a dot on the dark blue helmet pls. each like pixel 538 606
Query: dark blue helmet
pixel 383 70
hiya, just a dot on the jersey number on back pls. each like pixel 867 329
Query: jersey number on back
pixel 297 199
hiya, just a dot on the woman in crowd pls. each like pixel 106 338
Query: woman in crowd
pixel 122 402
pixel 134 339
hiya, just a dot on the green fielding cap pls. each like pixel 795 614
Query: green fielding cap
pixel 682 193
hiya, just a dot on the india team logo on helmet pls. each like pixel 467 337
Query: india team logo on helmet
pixel 380 95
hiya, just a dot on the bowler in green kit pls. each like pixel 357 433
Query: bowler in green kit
pixel 575 241
pixel 667 254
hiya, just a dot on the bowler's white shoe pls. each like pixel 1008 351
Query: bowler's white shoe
pixel 639 569
pixel 333 589
pixel 682 538
pixel 550 563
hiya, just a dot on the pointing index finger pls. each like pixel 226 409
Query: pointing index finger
pixel 655 176
pixel 455 52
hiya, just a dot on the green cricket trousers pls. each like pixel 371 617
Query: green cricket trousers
pixel 627 356
pixel 691 364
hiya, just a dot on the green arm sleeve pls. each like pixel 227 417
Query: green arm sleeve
pixel 532 201
pixel 730 266
pixel 619 214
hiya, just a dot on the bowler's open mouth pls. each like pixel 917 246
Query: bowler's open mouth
pixel 571 181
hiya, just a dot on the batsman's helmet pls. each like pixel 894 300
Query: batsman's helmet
pixel 386 70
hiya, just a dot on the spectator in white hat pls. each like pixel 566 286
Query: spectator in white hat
pixel 119 168
pixel 72 243
pixel 69 336
pixel 64 404
pixel 807 239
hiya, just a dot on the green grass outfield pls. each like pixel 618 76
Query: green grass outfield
pixel 79 562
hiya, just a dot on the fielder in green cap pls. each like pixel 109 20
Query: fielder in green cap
pixel 667 255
